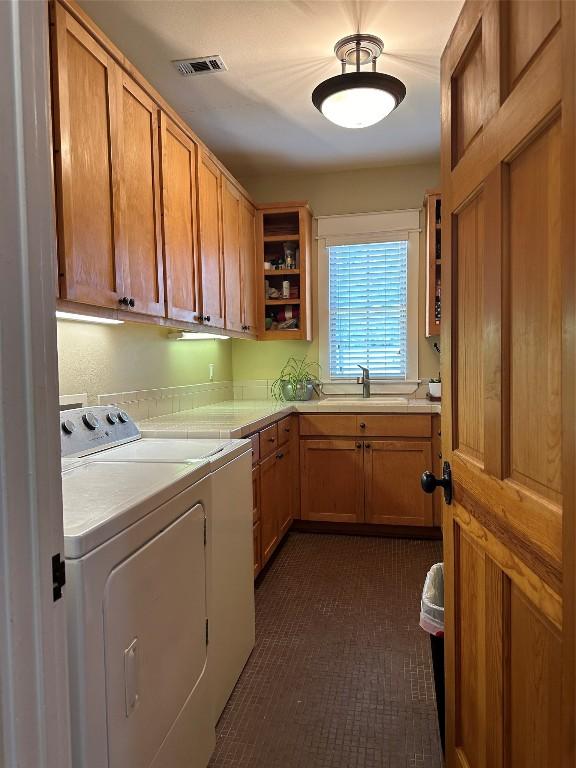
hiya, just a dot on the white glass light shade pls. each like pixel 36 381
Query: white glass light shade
pixel 358 107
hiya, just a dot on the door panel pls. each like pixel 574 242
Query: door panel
pixel 210 182
pixel 468 354
pixel 231 242
pixel 392 475
pixel 535 315
pixel 139 230
pixel 86 134
pixel 179 201
pixel 507 140
pixel 332 479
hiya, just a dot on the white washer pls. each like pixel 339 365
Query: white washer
pixel 136 566
pixel 230 536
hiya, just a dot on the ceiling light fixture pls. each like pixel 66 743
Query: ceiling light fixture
pixel 87 318
pixel 193 336
pixel 360 98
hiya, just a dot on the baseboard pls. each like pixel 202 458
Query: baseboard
pixel 369 529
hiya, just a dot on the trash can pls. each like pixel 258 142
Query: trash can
pixel 432 621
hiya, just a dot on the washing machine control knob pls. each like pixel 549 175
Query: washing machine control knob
pixel 68 426
pixel 90 420
pixel 123 416
pixel 112 418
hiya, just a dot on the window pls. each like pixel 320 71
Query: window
pixel 368 299
pixel 368 309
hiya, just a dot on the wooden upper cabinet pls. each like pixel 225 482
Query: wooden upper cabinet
pixel 179 207
pixel 392 472
pixel 210 183
pixel 248 265
pixel 139 232
pixel 231 241
pixel 86 141
pixel 107 175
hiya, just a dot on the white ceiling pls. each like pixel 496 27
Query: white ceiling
pixel 258 117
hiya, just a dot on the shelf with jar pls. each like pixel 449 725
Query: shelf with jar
pixel 283 268
pixel 433 211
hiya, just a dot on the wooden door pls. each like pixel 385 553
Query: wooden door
pixel 332 480
pixel 285 485
pixel 210 181
pixel 231 243
pixel 180 231
pixel 508 353
pixel 139 233
pixel 248 265
pixel 392 471
pixel 269 533
pixel 86 82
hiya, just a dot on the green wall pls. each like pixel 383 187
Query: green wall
pixel 264 359
pixel 100 359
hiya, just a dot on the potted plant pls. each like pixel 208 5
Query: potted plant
pixel 298 379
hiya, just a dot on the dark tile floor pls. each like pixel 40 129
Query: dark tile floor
pixel 341 674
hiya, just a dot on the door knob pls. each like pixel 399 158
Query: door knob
pixel 430 482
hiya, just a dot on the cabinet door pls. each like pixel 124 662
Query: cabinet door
pixel 86 84
pixel 179 206
pixel 393 493
pixel 231 242
pixel 284 484
pixel 210 181
pixel 268 500
pixel 248 265
pixel 139 233
pixel 332 478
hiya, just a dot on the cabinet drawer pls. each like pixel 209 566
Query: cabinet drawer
pixel 328 424
pixel 285 429
pixel 394 425
pixel 268 441
pixel 255 440
pixel 256 493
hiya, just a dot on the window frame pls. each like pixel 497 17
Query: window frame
pixel 354 229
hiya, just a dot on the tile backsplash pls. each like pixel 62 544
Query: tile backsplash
pixel 148 403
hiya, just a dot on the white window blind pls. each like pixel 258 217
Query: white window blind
pixel 368 319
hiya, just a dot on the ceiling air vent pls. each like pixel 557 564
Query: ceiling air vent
pixel 200 66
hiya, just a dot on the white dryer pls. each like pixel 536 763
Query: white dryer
pixel 230 588
pixel 136 567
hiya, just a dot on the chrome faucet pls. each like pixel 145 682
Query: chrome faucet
pixel 364 380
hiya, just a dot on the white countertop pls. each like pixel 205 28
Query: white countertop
pixel 238 418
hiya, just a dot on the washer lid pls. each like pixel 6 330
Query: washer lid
pixel 168 449
pixel 100 499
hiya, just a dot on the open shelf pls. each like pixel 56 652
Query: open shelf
pixel 281 238
pixel 281 272
pixel 285 242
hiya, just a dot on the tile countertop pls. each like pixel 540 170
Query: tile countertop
pixel 238 418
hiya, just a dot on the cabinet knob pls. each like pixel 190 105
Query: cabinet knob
pixel 206 318
pixel 358 445
pixel 271 439
pixel 124 301
pixel 367 445
pixel 131 303
pixel 362 425
pixel 279 455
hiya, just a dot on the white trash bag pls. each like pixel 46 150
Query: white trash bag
pixel 432 603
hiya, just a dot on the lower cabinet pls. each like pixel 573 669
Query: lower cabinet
pixel 332 480
pixel 365 481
